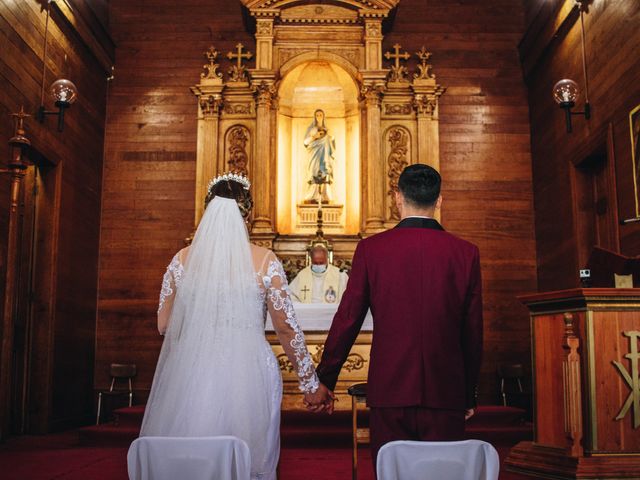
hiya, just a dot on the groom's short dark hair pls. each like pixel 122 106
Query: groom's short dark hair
pixel 420 185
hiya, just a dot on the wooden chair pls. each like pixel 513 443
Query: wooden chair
pixel 510 376
pixel 358 394
pixel 119 373
pixel 515 387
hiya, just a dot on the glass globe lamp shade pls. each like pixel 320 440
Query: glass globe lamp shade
pixel 566 92
pixel 63 91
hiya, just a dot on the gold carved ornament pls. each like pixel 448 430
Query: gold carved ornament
pixel 354 361
pixel 210 105
pixel 396 161
pixel 632 379
pixel 398 109
pixel 238 137
pixel 211 68
pixel 424 68
pixel 398 72
pixel 238 72
pixel 372 94
pixel 266 93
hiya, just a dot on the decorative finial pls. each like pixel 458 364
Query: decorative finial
pixel 424 69
pixel 212 67
pixel 19 132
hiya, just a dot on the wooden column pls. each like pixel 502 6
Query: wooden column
pixel 209 93
pixel 426 94
pixel 17 171
pixel 264 44
pixel 373 163
pixel 263 170
pixel 373 43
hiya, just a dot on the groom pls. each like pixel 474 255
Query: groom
pixel 423 287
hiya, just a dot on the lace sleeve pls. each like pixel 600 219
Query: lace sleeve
pixel 286 326
pixel 170 282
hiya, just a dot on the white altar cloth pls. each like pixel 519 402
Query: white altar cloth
pixel 317 317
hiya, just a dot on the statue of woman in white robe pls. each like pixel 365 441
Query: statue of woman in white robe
pixel 320 147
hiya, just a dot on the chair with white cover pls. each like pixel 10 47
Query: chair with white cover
pixel 189 458
pixel 465 460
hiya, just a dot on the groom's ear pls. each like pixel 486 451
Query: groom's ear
pixel 439 202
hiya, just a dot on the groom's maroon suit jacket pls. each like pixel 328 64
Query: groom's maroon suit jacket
pixel 424 290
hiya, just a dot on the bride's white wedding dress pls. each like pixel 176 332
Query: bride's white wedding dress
pixel 216 374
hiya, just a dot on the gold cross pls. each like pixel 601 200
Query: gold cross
pixel 239 56
pixel 397 56
pixel 632 379
pixel 19 120
pixel 305 290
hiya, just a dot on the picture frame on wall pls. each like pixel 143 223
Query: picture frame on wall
pixel 634 128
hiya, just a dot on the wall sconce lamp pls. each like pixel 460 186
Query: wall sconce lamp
pixel 62 91
pixel 566 91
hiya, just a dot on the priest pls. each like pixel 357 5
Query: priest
pixel 319 282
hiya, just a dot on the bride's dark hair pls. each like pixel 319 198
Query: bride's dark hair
pixel 235 191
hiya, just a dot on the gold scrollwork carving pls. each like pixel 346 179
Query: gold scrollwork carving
pixel 284 363
pixel 237 108
pixel 211 69
pixel 354 361
pixel 237 138
pixel 288 53
pixel 292 266
pixel 343 264
pixel 263 243
pixel 398 109
pixel 398 139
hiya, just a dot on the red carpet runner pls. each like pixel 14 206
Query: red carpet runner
pixel 314 447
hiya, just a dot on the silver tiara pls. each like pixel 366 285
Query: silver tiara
pixel 234 177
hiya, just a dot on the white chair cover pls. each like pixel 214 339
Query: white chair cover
pixel 189 458
pixel 466 460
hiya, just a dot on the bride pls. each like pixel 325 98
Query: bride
pixel 216 374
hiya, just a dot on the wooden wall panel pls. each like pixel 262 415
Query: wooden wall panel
pixel 150 158
pixel 64 326
pixel 612 40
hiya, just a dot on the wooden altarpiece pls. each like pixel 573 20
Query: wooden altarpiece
pixel 397 116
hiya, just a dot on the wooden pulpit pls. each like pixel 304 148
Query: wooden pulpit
pixel 585 354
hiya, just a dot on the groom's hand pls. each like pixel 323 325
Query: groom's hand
pixel 321 399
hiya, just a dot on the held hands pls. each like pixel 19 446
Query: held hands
pixel 321 400
pixel 469 413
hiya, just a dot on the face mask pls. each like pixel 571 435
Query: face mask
pixel 318 268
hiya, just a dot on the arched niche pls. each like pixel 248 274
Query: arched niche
pixel 310 83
